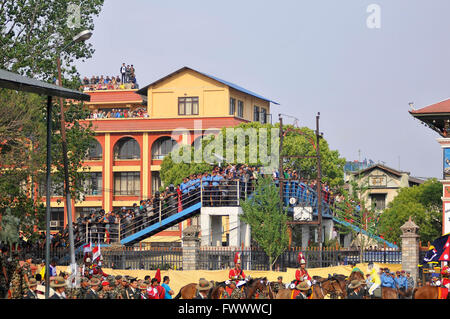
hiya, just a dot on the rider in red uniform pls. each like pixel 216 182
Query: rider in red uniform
pixel 445 272
pixel 302 274
pixel 236 274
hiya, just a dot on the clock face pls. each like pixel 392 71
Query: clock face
pixel 292 200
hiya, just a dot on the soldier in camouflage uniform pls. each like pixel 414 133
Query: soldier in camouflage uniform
pixel 4 280
pixel 16 283
pixel 80 293
pixel 11 268
pixel 238 293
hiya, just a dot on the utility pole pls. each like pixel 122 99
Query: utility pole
pixel 318 222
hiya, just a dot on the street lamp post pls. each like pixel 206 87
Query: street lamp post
pixel 82 36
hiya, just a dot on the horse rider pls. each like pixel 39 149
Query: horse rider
pixel 445 272
pixel 374 278
pixel 203 288
pixel 356 291
pixel 304 290
pixel 237 274
pixel 387 280
pixel 301 274
pixel 401 282
pixel 355 269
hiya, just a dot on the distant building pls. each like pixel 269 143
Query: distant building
pixel 383 183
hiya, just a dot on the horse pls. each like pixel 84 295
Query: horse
pixel 321 288
pixel 253 286
pixel 428 292
pixel 217 291
pixel 386 293
pixel 189 291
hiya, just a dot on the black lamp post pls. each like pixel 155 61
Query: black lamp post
pixel 82 36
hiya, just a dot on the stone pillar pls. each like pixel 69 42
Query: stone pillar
pixel 191 244
pixel 410 248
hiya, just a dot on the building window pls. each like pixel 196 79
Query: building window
pixel 93 184
pixel 188 105
pixel 379 200
pixel 256 113
pixel 127 148
pixel 240 109
pixel 263 119
pixel 56 188
pixel 127 183
pixel 95 151
pixel 162 147
pixel 56 218
pixel 83 212
pixel 232 106
pixel 156 181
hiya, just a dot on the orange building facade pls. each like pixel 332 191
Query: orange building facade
pixel 124 164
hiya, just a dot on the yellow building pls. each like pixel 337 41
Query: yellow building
pixel 188 93
pixel 125 161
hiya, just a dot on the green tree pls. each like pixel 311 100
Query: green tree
pixel 423 203
pixel 252 143
pixel 32 34
pixel 263 212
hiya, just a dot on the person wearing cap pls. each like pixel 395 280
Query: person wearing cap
pixel 303 290
pixel 105 292
pixel 80 293
pixel 401 282
pixel 387 280
pixel 31 292
pixel 143 288
pixel 236 273
pixel 301 274
pixel 59 285
pixel 410 280
pixel 356 291
pixel 92 293
pixel 203 288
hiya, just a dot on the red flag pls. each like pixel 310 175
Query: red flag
pixel 445 256
pixel 158 275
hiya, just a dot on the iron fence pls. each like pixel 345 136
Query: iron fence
pixel 218 258
pixel 215 258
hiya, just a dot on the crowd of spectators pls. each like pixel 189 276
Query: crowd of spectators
pixel 126 80
pixel 219 188
pixel 118 113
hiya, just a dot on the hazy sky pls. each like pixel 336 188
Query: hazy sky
pixel 310 56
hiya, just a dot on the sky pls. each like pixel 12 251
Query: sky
pixel 359 63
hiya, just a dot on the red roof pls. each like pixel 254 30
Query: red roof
pixel 114 96
pixel 441 107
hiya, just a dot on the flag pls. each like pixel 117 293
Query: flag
pixel 87 248
pixel 158 275
pixel 436 249
pixel 445 256
pixel 96 253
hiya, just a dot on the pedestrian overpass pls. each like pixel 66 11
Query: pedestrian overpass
pixel 300 199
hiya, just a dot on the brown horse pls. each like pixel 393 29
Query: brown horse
pixel 427 292
pixel 321 288
pixel 189 291
pixel 254 286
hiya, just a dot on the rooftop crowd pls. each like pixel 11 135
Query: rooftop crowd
pixel 126 80
pixel 118 113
